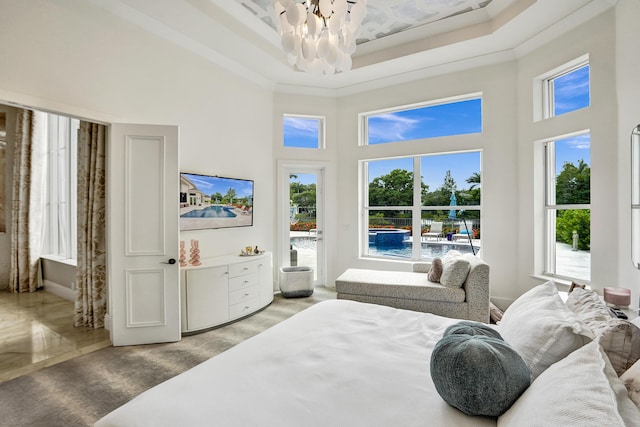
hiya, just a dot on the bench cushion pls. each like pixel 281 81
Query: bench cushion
pixel 395 284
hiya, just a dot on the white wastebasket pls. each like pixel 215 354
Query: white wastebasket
pixel 296 281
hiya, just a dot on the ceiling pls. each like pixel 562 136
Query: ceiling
pixel 402 40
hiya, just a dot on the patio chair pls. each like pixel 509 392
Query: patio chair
pixel 434 231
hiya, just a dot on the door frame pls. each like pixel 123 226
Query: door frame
pixel 285 167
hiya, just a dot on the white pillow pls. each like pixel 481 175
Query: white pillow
pixel 540 327
pixel 580 390
pixel 455 269
pixel 619 338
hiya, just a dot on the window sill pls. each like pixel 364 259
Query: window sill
pixel 61 260
pixel 560 281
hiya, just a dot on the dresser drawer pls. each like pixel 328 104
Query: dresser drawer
pixel 241 282
pixel 243 268
pixel 244 294
pixel 243 308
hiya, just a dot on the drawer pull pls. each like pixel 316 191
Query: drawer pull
pixel 246 294
pixel 246 268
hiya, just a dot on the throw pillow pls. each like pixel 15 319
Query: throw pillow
pixel 580 390
pixel 454 270
pixel 468 327
pixel 478 374
pixel 435 272
pixel 619 338
pixel 541 327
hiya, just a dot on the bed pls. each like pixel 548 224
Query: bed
pixel 346 363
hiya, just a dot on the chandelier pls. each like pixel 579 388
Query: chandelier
pixel 319 36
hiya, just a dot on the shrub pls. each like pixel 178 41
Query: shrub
pixel 574 220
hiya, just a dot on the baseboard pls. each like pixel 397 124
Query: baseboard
pixel 59 290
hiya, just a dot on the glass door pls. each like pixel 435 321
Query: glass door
pixel 304 234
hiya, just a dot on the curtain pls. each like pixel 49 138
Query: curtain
pixel 91 295
pixel 28 201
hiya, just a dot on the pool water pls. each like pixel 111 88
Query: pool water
pixel 429 251
pixel 210 212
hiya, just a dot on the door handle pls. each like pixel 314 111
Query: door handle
pixel 171 261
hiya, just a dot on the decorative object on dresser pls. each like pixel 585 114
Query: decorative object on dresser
pixel 195 253
pixel 183 252
pixel 223 289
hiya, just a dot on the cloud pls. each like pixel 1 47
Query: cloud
pixel 390 127
pixel 580 142
pixel 301 126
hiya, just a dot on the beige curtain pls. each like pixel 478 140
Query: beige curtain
pixel 28 201
pixel 91 296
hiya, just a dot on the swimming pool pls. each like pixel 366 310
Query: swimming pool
pixel 429 250
pixel 210 212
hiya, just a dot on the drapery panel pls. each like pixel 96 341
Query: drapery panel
pixel 28 201
pixel 91 294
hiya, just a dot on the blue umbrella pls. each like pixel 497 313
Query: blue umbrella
pixel 453 202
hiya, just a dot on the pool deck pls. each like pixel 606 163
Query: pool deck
pixel 571 263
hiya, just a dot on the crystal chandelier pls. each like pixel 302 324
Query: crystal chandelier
pixel 319 36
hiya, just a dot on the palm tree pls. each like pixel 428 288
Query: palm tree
pixel 474 180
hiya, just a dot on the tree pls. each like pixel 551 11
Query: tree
pixel 231 194
pixel 573 184
pixel 449 184
pixel 393 189
pixel 474 180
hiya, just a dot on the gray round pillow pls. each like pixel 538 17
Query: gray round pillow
pixel 477 374
pixel 467 327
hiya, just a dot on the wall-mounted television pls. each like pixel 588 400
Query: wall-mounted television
pixel 208 201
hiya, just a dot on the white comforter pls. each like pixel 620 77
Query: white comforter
pixel 338 363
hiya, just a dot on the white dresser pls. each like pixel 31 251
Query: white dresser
pixel 224 289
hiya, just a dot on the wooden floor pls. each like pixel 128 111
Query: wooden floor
pixel 36 330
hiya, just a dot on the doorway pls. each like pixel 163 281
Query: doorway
pixel 302 237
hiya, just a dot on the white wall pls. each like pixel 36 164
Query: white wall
pixel 597 39
pixel 627 73
pixel 75 58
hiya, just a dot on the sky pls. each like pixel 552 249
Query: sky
pixel 571 92
pixel 212 184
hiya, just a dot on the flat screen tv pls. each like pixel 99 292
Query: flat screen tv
pixel 208 201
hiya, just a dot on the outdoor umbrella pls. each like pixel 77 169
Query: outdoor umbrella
pixel 452 202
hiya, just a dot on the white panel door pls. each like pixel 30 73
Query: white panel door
pixel 143 187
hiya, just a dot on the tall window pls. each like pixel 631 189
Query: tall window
pixel 567 207
pixel 303 131
pixel 60 232
pixel 427 120
pixel 420 207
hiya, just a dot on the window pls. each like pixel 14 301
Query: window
pixel 426 120
pixel 303 131
pixel 563 90
pixel 567 207
pixel 408 197
pixel 60 228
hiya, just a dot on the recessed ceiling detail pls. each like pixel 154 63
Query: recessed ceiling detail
pixel 386 17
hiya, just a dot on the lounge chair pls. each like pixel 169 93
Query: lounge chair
pixel 434 231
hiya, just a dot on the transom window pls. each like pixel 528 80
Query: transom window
pixel 455 116
pixel 420 207
pixel 303 131
pixel 563 90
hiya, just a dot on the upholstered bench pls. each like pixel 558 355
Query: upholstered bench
pixel 412 290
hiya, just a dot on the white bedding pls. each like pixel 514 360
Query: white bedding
pixel 338 363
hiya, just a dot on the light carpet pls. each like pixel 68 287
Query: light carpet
pixel 80 391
